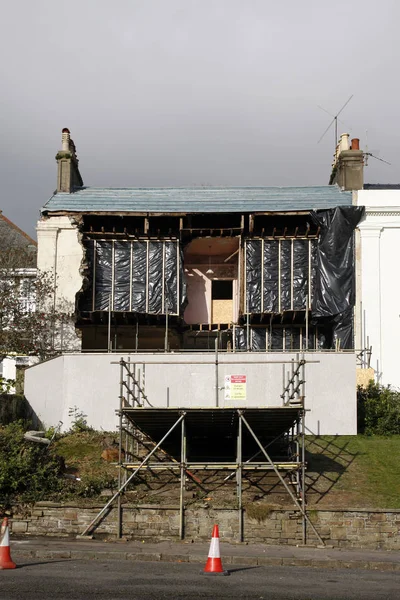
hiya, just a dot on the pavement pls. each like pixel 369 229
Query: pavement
pixel 52 548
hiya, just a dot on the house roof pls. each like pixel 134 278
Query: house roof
pixel 198 199
pixel 11 236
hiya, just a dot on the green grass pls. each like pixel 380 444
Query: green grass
pixel 354 471
pixel 343 471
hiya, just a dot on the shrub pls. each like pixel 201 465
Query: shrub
pixel 378 410
pixel 28 472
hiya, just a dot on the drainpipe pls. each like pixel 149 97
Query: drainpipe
pixel 55 283
pixel 55 268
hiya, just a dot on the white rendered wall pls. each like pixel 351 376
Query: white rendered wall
pixel 91 383
pixel 60 253
pixel 379 302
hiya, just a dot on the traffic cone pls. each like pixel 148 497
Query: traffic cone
pixel 214 563
pixel 5 556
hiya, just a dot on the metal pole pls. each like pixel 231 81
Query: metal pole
pixel 239 477
pixel 248 332
pixel 163 279
pixel 109 325
pixel 147 276
pixel 183 477
pixel 262 275
pixel 121 391
pixel 291 274
pixel 283 385
pixel 303 451
pixel 279 275
pixel 94 275
pixel 166 327
pixel 130 277
pixel 178 278
pixel 307 322
pixel 216 372
pixel 289 491
pixel 123 486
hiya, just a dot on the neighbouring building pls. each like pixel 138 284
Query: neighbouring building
pixel 377 312
pixel 248 271
pixel 17 262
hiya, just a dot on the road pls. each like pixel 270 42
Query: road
pixel 101 580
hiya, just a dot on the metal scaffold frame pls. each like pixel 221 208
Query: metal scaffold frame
pixel 134 406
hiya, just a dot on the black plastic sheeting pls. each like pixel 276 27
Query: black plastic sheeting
pixel 295 338
pixel 334 289
pixel 122 261
pixel 300 273
pixel 253 276
pixel 332 276
pixel 334 284
pixel 270 285
pixel 103 279
pixel 286 252
pixel 271 276
pixel 138 270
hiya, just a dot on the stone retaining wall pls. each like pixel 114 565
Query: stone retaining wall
pixel 343 529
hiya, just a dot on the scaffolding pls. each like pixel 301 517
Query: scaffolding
pixel 180 438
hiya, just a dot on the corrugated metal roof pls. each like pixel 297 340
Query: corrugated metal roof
pixel 198 199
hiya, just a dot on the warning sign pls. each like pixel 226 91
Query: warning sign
pixel 235 387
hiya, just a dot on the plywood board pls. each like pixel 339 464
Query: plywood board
pixel 222 311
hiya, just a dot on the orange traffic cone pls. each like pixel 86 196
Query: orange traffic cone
pixel 5 556
pixel 214 563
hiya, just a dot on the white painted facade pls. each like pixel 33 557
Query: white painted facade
pixel 378 307
pixel 91 383
pixel 61 253
pixel 9 365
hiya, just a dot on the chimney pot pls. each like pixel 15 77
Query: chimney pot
pixel 355 144
pixel 65 139
pixel 344 142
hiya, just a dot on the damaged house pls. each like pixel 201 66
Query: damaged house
pixel 257 269
pixel 256 273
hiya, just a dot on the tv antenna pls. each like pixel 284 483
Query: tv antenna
pixel 367 154
pixel 334 120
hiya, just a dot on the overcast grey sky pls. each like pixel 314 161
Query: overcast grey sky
pixel 181 92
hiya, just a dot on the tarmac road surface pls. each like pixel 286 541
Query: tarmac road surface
pixel 108 580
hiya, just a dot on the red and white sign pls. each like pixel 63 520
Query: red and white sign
pixel 235 387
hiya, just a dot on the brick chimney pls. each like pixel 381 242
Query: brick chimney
pixel 348 164
pixel 68 176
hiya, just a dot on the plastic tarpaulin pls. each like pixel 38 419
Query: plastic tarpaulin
pixel 171 278
pixel 279 338
pixel 334 288
pixel 286 254
pixel 275 285
pixel 122 262
pixel 300 273
pixel 85 297
pixel 271 276
pixel 103 278
pixel 138 276
pixel 334 283
pixel 155 283
pixel 258 339
pixel 253 276
pixel 240 338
